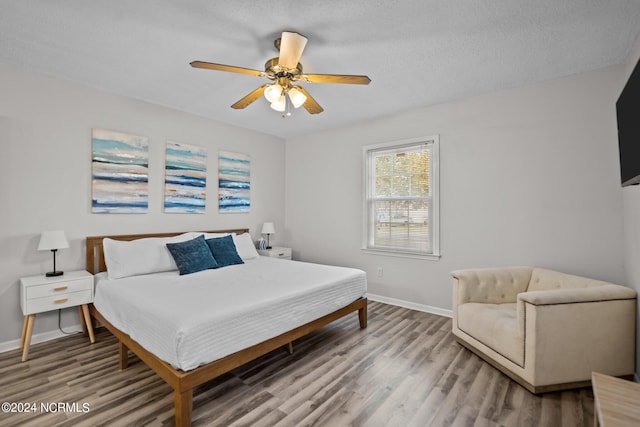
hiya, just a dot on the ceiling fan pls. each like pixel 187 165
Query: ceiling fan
pixel 284 71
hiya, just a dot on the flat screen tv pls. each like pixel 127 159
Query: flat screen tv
pixel 628 109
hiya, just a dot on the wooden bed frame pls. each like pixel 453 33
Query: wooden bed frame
pixel 183 382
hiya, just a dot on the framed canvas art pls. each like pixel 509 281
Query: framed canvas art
pixel 185 183
pixel 120 172
pixel 234 184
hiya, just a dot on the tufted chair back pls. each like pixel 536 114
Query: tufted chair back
pixel 493 286
pixel 547 280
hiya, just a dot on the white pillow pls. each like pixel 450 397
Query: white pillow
pixel 244 246
pixel 211 235
pixel 141 256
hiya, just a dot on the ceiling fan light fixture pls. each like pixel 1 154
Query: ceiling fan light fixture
pixel 273 92
pixel 297 98
pixel 280 104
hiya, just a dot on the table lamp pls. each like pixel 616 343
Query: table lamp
pixel 268 228
pixel 53 240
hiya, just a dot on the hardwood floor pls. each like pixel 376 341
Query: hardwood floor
pixel 405 369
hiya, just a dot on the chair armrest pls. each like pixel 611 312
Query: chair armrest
pixel 608 292
pixel 571 332
pixel 490 285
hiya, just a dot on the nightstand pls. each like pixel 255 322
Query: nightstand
pixel 40 293
pixel 277 252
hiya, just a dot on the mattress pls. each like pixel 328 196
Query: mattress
pixel 194 319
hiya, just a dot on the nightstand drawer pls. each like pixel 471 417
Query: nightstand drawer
pixel 59 288
pixel 276 252
pixel 55 302
pixel 280 253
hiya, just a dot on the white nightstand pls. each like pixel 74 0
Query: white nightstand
pixel 40 293
pixel 277 252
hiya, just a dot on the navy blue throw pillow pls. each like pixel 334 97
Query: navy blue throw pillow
pixel 224 251
pixel 192 256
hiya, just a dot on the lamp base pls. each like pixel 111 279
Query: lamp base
pixel 54 273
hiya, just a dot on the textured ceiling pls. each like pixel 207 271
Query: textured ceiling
pixel 416 52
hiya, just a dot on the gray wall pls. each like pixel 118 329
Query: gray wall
pixel 45 179
pixel 631 216
pixel 529 176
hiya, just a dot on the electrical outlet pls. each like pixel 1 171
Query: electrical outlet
pixel 379 271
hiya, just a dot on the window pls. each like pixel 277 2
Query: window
pixel 401 197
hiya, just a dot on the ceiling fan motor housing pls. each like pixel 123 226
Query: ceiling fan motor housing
pixel 275 71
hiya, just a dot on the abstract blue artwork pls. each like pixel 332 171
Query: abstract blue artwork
pixel 185 182
pixel 234 184
pixel 120 172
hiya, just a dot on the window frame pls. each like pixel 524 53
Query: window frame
pixel 434 214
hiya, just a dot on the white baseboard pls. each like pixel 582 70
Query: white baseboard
pixel 38 338
pixel 411 305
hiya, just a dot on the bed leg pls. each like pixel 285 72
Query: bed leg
pixel 290 348
pixel 123 354
pixel 362 317
pixel 183 402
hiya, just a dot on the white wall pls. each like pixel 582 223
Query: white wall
pixel 529 176
pixel 45 178
pixel 631 215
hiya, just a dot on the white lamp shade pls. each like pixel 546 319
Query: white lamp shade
pixel 273 92
pixel 268 228
pixel 53 240
pixel 297 98
pixel 280 104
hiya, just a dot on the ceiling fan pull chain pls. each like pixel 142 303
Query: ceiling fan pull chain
pixel 287 110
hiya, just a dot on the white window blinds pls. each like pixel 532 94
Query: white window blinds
pixel 401 191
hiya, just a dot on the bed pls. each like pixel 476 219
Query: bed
pixel 183 345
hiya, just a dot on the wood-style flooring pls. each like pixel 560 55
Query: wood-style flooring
pixel 405 369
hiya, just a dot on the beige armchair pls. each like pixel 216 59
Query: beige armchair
pixel 544 329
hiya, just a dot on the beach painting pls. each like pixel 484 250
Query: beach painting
pixel 234 185
pixel 120 172
pixel 185 182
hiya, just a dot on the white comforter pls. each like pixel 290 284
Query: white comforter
pixel 194 319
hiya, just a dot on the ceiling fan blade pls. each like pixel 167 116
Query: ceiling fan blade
pixel 337 78
pixel 291 47
pixel 249 99
pixel 311 105
pixel 222 67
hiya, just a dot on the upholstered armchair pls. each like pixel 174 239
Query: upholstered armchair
pixel 544 329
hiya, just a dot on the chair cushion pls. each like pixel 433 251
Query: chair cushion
pixel 494 325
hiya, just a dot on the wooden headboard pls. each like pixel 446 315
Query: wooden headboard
pixel 95 255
